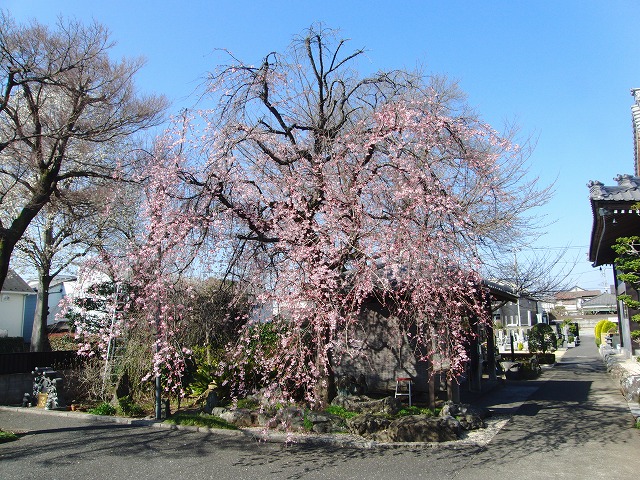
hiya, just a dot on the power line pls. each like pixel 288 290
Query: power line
pixel 575 247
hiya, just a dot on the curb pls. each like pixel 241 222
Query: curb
pixel 494 425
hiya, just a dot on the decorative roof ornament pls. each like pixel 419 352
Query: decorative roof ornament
pixel 596 190
pixel 628 181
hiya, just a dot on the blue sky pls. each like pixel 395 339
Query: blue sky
pixel 561 70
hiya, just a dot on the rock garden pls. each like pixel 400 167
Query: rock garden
pixel 383 419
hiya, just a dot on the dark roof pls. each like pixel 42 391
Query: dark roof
pixel 15 283
pixel 627 189
pixel 500 291
pixel 604 299
pixel 613 216
pixel 577 294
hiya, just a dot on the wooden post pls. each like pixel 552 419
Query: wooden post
pixel 453 391
pixel 491 344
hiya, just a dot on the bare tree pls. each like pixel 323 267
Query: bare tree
pixel 537 274
pixel 65 230
pixel 63 102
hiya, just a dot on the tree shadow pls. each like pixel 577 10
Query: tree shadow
pixel 51 449
pixel 574 407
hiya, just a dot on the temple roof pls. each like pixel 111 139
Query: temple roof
pixel 627 190
pixel 613 216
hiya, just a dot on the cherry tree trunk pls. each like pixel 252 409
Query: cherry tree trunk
pixel 325 389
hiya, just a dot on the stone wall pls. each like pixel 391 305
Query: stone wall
pixel 14 386
pixel 625 371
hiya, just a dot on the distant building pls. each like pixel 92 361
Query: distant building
pixel 573 300
pixel 61 286
pixel 602 304
pixel 513 314
pixel 17 307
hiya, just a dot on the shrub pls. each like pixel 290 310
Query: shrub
pixel 574 329
pixel 542 338
pixel 104 408
pixel 635 334
pixel 607 327
pixel 530 369
pixel 7 436
pixel 547 358
pixel 520 346
pixel 128 408
pixel 603 326
pixel 85 383
pixel 307 424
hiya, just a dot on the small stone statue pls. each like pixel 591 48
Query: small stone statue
pixel 45 380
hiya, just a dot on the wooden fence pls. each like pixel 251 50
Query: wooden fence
pixel 25 362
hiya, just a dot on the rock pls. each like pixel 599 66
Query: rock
pixel 288 418
pixel 240 417
pixel 471 422
pixel 631 387
pixel 366 425
pixel 421 428
pixel 321 423
pixel 364 404
pixel 512 370
pixel 451 409
pixel 262 419
pixel 218 411
pixel 266 397
pixel 470 417
pixel 349 385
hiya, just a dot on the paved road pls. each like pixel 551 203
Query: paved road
pixel 574 425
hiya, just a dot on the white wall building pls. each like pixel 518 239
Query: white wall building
pixel 17 306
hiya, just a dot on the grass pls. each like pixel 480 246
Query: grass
pixel 413 410
pixel 200 420
pixel 340 412
pixel 248 403
pixel 103 409
pixel 637 425
pixel 128 408
pixel 7 436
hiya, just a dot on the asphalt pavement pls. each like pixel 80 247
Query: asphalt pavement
pixel 571 423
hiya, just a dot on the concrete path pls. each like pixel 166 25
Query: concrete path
pixel 574 425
